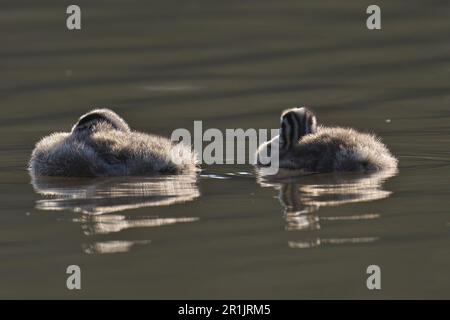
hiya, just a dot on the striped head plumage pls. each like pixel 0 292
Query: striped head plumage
pixel 296 123
pixel 90 120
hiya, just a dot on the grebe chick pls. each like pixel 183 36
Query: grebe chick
pixel 102 144
pixel 304 145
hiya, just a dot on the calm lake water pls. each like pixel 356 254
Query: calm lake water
pixel 225 233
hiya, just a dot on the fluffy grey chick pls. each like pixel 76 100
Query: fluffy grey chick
pixel 102 144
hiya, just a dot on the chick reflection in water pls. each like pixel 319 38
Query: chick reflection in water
pixel 100 199
pixel 302 196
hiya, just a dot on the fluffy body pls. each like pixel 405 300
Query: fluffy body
pixel 328 149
pixel 101 144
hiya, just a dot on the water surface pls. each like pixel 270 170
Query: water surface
pixel 227 233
